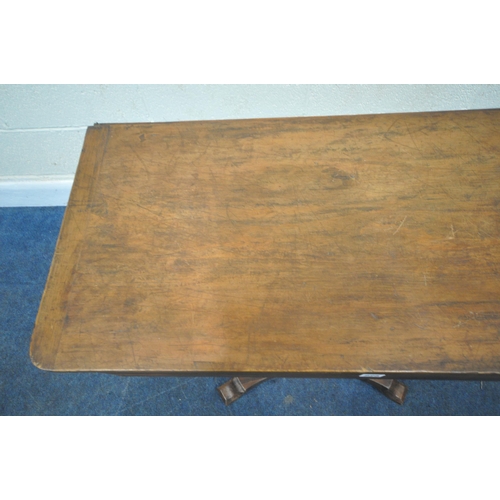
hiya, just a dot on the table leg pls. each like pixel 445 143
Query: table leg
pixel 236 387
pixel 233 389
pixel 391 388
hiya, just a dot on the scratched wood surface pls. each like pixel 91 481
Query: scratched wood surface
pixel 332 245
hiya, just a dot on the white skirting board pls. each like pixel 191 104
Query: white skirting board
pixel 35 193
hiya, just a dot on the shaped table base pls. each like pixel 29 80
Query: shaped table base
pixel 233 389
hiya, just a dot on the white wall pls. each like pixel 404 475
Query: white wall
pixel 42 126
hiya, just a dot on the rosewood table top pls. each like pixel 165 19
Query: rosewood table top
pixel 337 246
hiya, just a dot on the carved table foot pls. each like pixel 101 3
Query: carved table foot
pixel 391 388
pixel 236 387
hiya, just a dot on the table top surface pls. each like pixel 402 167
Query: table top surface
pixel 341 246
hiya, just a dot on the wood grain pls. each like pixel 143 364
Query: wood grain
pixel 305 246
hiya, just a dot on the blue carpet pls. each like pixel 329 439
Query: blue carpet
pixel 27 241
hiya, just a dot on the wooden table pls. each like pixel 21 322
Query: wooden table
pixel 355 246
